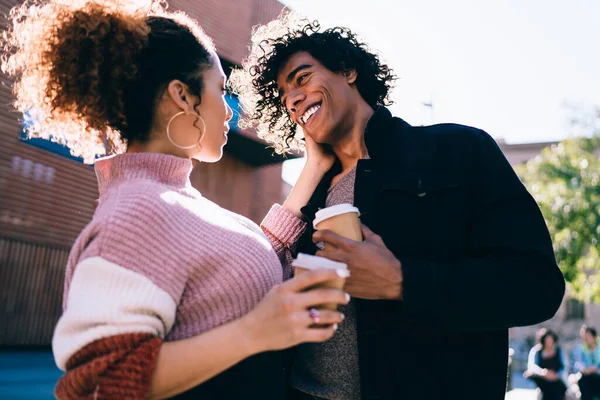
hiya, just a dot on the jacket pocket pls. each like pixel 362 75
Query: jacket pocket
pixel 426 211
pixel 420 183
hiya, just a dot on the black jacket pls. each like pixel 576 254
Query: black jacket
pixel 476 259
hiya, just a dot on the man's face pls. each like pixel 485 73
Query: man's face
pixel 589 339
pixel 316 98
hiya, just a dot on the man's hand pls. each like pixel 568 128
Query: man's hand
pixel 375 273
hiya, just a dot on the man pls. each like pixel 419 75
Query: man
pixel 587 362
pixel 455 244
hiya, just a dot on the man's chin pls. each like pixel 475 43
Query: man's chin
pixel 320 137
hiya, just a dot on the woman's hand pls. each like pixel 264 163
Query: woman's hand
pixel 319 161
pixel 318 156
pixel 283 318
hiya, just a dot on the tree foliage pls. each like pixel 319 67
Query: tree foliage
pixel 564 179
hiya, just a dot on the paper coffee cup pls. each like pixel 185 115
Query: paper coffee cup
pixel 341 219
pixel 306 262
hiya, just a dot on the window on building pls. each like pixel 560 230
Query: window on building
pixel 45 144
pixel 575 309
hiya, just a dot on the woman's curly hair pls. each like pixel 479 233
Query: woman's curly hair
pixel 80 69
pixel 272 45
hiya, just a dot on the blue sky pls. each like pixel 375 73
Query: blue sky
pixel 508 67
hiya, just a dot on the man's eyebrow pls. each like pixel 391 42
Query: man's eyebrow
pixel 292 74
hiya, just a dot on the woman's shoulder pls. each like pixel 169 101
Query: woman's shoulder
pixel 140 200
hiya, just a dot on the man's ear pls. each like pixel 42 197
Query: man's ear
pixel 351 76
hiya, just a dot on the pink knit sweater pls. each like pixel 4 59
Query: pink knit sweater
pixel 160 259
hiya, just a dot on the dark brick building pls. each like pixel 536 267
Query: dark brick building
pixel 46 196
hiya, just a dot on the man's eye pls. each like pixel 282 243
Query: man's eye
pixel 301 78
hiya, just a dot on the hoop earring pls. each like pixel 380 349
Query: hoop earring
pixel 199 137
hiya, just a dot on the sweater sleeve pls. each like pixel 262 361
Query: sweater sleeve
pixel 120 302
pixel 510 256
pixel 115 367
pixel 284 230
pixel 532 365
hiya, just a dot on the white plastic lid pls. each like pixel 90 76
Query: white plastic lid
pixel 307 261
pixel 332 211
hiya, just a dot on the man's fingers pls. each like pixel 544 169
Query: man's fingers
pixel 333 255
pixel 333 239
pixel 369 235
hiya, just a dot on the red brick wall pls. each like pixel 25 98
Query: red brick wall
pixel 54 205
pixel 46 199
pixel 229 22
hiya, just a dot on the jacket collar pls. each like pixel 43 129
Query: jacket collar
pixel 383 134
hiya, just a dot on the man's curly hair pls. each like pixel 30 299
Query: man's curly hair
pixel 273 44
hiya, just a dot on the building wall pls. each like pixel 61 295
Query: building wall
pixel 521 153
pixel 47 199
pixel 230 22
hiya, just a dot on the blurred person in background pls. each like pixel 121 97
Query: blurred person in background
pixel 587 364
pixel 547 366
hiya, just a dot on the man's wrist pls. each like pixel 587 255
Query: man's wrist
pixel 396 292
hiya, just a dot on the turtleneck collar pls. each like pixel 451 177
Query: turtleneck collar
pixel 163 168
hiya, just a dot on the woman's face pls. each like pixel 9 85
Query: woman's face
pixel 209 132
pixel 549 342
pixel 215 112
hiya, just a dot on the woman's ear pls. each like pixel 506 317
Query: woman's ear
pixel 177 91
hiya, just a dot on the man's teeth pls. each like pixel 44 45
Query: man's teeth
pixel 309 113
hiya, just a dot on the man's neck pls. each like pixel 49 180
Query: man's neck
pixel 592 347
pixel 351 147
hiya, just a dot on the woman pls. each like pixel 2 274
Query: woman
pixel 546 365
pixel 166 294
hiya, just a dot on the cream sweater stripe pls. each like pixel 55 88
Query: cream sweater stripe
pixel 106 299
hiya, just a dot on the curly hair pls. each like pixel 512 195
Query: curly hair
pixel 272 45
pixel 87 73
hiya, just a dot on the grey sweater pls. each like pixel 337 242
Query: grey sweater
pixel 330 369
